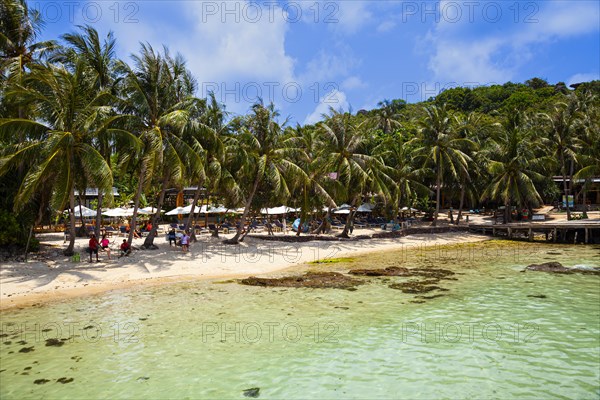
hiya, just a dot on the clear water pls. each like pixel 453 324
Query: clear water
pixel 485 338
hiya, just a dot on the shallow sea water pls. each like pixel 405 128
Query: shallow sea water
pixel 497 332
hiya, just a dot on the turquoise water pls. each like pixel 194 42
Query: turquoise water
pixel 484 338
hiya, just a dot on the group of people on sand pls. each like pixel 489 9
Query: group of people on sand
pixel 94 246
pixel 183 240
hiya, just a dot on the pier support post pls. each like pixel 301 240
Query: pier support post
pixel 554 235
pixel 587 236
pixel 493 231
pixel 509 233
pixel 530 235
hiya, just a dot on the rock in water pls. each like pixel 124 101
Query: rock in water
pixel 558 268
pixel 253 392
pixel 554 266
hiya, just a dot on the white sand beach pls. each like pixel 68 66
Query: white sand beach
pixel 52 276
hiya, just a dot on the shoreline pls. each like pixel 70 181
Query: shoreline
pixel 44 281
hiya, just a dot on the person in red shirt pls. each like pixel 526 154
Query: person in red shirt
pixel 93 246
pixel 125 248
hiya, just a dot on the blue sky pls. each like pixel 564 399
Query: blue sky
pixel 307 56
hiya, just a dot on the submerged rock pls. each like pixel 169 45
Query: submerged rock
pixel 54 342
pixel 415 287
pixel 558 268
pixel 537 296
pixel 252 392
pixel 64 380
pixel 41 381
pixel 317 280
pixel 389 271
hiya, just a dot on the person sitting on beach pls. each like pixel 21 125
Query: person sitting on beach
pixel 93 247
pixel 185 242
pixel 105 245
pixel 172 236
pixel 148 226
pixel 125 248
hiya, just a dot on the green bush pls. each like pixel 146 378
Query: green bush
pixel 13 233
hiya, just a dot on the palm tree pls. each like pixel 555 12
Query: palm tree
pixel 100 59
pixel 397 155
pixel 562 136
pixel 439 147
pixel 158 91
pixel 268 158
pixel 468 127
pixel 70 113
pixel 589 143
pixel 513 164
pixel 354 171
pixel 386 117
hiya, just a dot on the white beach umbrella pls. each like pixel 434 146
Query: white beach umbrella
pixel 217 210
pixel 365 208
pixel 149 210
pixel 179 210
pixel 278 210
pixel 85 212
pixel 346 211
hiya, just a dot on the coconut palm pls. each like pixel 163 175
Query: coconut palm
pixel 439 148
pixel 354 172
pixel 513 165
pixel 397 155
pixel 158 91
pixel 69 113
pixel 562 127
pixel 589 144
pixel 100 59
pixel 268 155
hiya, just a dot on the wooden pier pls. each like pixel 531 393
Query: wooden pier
pixel 566 232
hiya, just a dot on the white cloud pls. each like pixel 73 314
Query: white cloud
pixel 327 66
pixel 583 77
pixel 351 16
pixel 386 26
pixel 472 52
pixel 353 82
pixel 334 99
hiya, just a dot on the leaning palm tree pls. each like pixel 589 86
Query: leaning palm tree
pixel 513 164
pixel 561 125
pixel 439 148
pixel 69 113
pixel 268 159
pixel 158 91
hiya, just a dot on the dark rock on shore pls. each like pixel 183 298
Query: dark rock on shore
pixel 318 280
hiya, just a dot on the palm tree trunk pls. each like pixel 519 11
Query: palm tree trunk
pixel 136 203
pixel 99 213
pixel 324 223
pixel 462 201
pixel 584 214
pixel 235 239
pixel 149 241
pixel 437 197
pixel 565 186
pixel 189 220
pixel 69 250
pixel 349 220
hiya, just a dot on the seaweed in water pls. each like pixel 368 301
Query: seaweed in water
pixel 26 349
pixel 54 342
pixel 415 287
pixel 64 380
pixel 315 280
pixel 537 296
pixel 41 381
pixel 252 392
